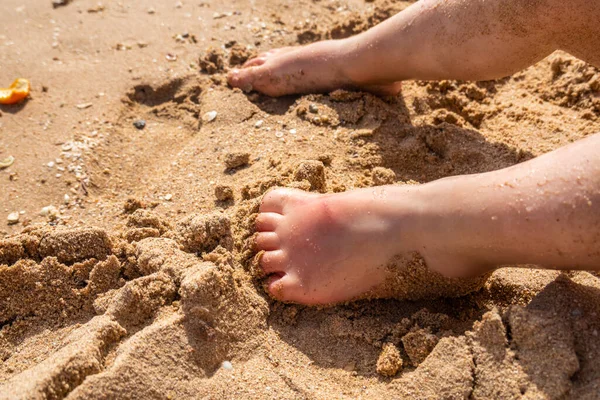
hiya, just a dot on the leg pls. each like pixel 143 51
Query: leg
pixel 329 248
pixel 432 39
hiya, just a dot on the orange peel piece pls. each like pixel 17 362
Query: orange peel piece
pixel 18 91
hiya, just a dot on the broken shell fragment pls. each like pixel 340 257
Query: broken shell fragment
pixel 209 116
pixel 7 162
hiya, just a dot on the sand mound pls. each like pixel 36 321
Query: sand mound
pixel 166 308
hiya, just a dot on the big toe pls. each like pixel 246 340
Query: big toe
pixel 243 78
pixel 275 200
pixel 264 78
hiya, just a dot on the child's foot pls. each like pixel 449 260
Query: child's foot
pixel 322 249
pixel 318 67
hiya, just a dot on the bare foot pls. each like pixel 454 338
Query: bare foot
pixel 316 68
pixel 322 249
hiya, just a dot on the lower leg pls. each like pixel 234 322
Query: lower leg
pixel 545 212
pixel 431 39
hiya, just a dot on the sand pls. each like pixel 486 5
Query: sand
pixel 140 281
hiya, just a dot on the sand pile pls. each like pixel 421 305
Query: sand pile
pixel 170 309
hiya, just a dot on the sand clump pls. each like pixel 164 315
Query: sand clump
pixel 236 159
pixel 203 233
pixel 137 234
pixel 418 344
pixel 239 54
pixel 223 193
pixel 75 245
pixel 383 176
pixel 213 61
pixel 143 218
pixel 313 172
pixel 389 361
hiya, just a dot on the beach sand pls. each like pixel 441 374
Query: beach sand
pixel 131 272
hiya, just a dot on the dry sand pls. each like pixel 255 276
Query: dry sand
pixel 140 283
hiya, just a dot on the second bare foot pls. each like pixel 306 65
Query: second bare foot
pixel 316 68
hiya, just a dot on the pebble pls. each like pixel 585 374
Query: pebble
pixel 279 134
pixel 13 218
pixel 51 164
pixel 168 197
pixel 83 106
pixel 171 57
pixel 139 124
pixel 209 116
pixel 48 211
pixel 313 108
pixel 227 365
pixel 293 131
pixel 60 3
pixel 259 123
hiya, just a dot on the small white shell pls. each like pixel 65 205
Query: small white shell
pixel 227 365
pixel 209 116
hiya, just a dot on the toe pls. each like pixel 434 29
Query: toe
pixel 267 241
pixel 268 221
pixel 273 261
pixel 275 200
pixel 243 78
pixel 255 62
pixel 281 287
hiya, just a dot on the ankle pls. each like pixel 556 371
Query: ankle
pixel 347 62
pixel 452 237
